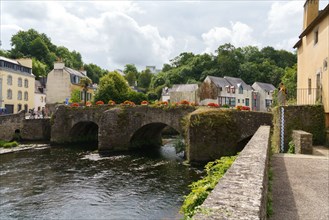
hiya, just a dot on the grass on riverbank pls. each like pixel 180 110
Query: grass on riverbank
pixel 6 144
pixel 200 189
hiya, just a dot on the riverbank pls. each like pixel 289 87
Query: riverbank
pixel 23 147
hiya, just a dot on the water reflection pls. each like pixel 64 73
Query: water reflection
pixel 69 183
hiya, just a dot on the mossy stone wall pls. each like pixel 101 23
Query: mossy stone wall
pixel 309 118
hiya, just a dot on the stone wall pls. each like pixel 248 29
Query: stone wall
pixel 242 192
pixel 9 124
pixel 35 129
pixel 29 129
pixel 302 141
pixel 309 118
pixel 213 133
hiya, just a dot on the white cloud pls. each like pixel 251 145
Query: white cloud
pixel 282 16
pixel 239 35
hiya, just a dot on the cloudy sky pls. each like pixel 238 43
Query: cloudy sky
pixel 114 33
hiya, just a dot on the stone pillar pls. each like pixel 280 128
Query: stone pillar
pixel 302 141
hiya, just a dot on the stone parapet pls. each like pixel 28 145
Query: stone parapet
pixel 242 191
pixel 302 141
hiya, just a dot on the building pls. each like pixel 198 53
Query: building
pixel 165 96
pixel 264 93
pixel 39 96
pixel 16 85
pixel 229 91
pixel 242 92
pixel 312 57
pixel 62 81
pixel 188 92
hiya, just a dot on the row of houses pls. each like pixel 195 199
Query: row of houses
pixel 19 90
pixel 225 91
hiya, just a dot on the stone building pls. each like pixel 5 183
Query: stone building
pixel 61 81
pixel 39 96
pixel 16 85
pixel 312 57
pixel 188 92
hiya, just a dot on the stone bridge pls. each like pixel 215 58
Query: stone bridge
pixel 209 133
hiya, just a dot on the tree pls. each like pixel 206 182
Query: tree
pixel 131 74
pixel 112 86
pixel 39 69
pixel 94 72
pixel 75 95
pixel 85 83
pixel 144 79
pixel 289 79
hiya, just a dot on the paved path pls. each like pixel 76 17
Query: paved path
pixel 300 187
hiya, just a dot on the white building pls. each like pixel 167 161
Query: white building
pixel 39 96
pixel 264 95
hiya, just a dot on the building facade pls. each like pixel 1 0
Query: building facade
pixel 62 81
pixel 312 57
pixel 16 85
pixel 188 92
pixel 264 93
pixel 39 96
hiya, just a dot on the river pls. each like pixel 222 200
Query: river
pixel 72 183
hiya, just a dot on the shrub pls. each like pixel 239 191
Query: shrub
pixel 128 103
pixel 6 144
pixel 88 104
pixel 212 104
pixel 144 102
pixel 111 102
pixel 200 189
pixel 184 102
pixel 100 103
pixel 225 106
pixel 75 104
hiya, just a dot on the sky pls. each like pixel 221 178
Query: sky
pixel 112 34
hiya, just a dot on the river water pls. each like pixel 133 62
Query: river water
pixel 72 183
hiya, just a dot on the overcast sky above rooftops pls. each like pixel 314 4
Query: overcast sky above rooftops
pixel 111 34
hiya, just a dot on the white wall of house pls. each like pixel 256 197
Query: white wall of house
pixel 265 98
pixel 39 101
pixel 58 85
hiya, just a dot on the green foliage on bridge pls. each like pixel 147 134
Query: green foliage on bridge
pixel 201 189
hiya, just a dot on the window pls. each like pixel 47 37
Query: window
pixel 227 89
pixel 19 95
pixel 19 107
pixel 41 98
pixel 242 100
pixel 316 36
pixel 9 94
pixel 9 80
pixel 26 108
pixel 233 89
pixel 19 82
pixel 238 100
pixel 309 86
pixel 26 83
pixel 268 102
pixel 240 90
pixel 247 102
pixel 26 96
pixel 325 64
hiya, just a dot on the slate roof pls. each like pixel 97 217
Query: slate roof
pixel 74 72
pixel 237 82
pixel 184 87
pixel 265 86
pixel 219 81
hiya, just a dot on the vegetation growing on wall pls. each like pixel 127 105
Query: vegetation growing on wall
pixel 201 189
pixel 6 144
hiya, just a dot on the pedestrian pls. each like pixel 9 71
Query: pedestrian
pixel 282 94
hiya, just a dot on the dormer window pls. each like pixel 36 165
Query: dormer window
pixel 227 89
pixel 233 89
pixel 240 90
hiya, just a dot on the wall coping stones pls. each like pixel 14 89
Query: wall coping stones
pixel 242 192
pixel 302 141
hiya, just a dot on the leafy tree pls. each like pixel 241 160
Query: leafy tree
pixel 136 97
pixel 39 69
pixel 85 83
pixel 289 79
pixel 75 96
pixel 144 79
pixel 94 72
pixel 112 86
pixel 131 78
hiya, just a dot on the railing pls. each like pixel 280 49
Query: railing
pixel 309 96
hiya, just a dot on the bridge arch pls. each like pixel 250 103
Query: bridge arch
pixel 84 131
pixel 149 135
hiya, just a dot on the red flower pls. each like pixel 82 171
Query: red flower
pixel 144 102
pixel 211 104
pixel 99 103
pixel 74 104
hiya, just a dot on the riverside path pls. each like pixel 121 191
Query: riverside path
pixel 300 186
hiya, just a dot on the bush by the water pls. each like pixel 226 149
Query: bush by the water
pixel 200 189
pixel 6 144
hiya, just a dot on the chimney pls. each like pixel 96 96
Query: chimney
pixel 59 65
pixel 311 11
